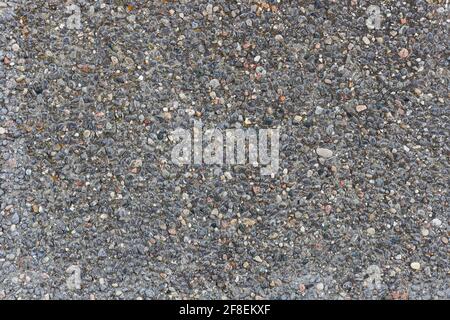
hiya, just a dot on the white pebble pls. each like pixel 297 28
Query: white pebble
pixel 436 222
pixel 257 259
pixel 415 266
pixel 361 107
pixel 324 153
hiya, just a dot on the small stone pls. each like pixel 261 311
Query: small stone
pixel 403 53
pixel 2 130
pixel 131 18
pixel 261 71
pixel 436 222
pixel 209 9
pixel 35 208
pixel 15 219
pixel 102 253
pixel 214 83
pixel 258 259
pixel 279 38
pixel 370 231
pixel 15 47
pixel 415 265
pixel 73 281
pixel 361 107
pixel 248 222
pixel 86 133
pixel 324 153
pixel 425 232
pixel 114 60
pixel 318 111
pixel 182 96
pixel 298 119
pixel 136 163
pixel 366 40
pixel 320 286
pixel 444 240
pixel 167 116
pixel 301 288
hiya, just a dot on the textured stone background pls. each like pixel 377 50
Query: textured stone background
pixel 87 183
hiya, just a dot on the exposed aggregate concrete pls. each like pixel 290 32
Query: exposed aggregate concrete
pixel 359 206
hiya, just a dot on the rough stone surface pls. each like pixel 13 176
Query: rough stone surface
pixel 86 181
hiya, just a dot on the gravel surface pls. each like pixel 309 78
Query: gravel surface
pixel 92 206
